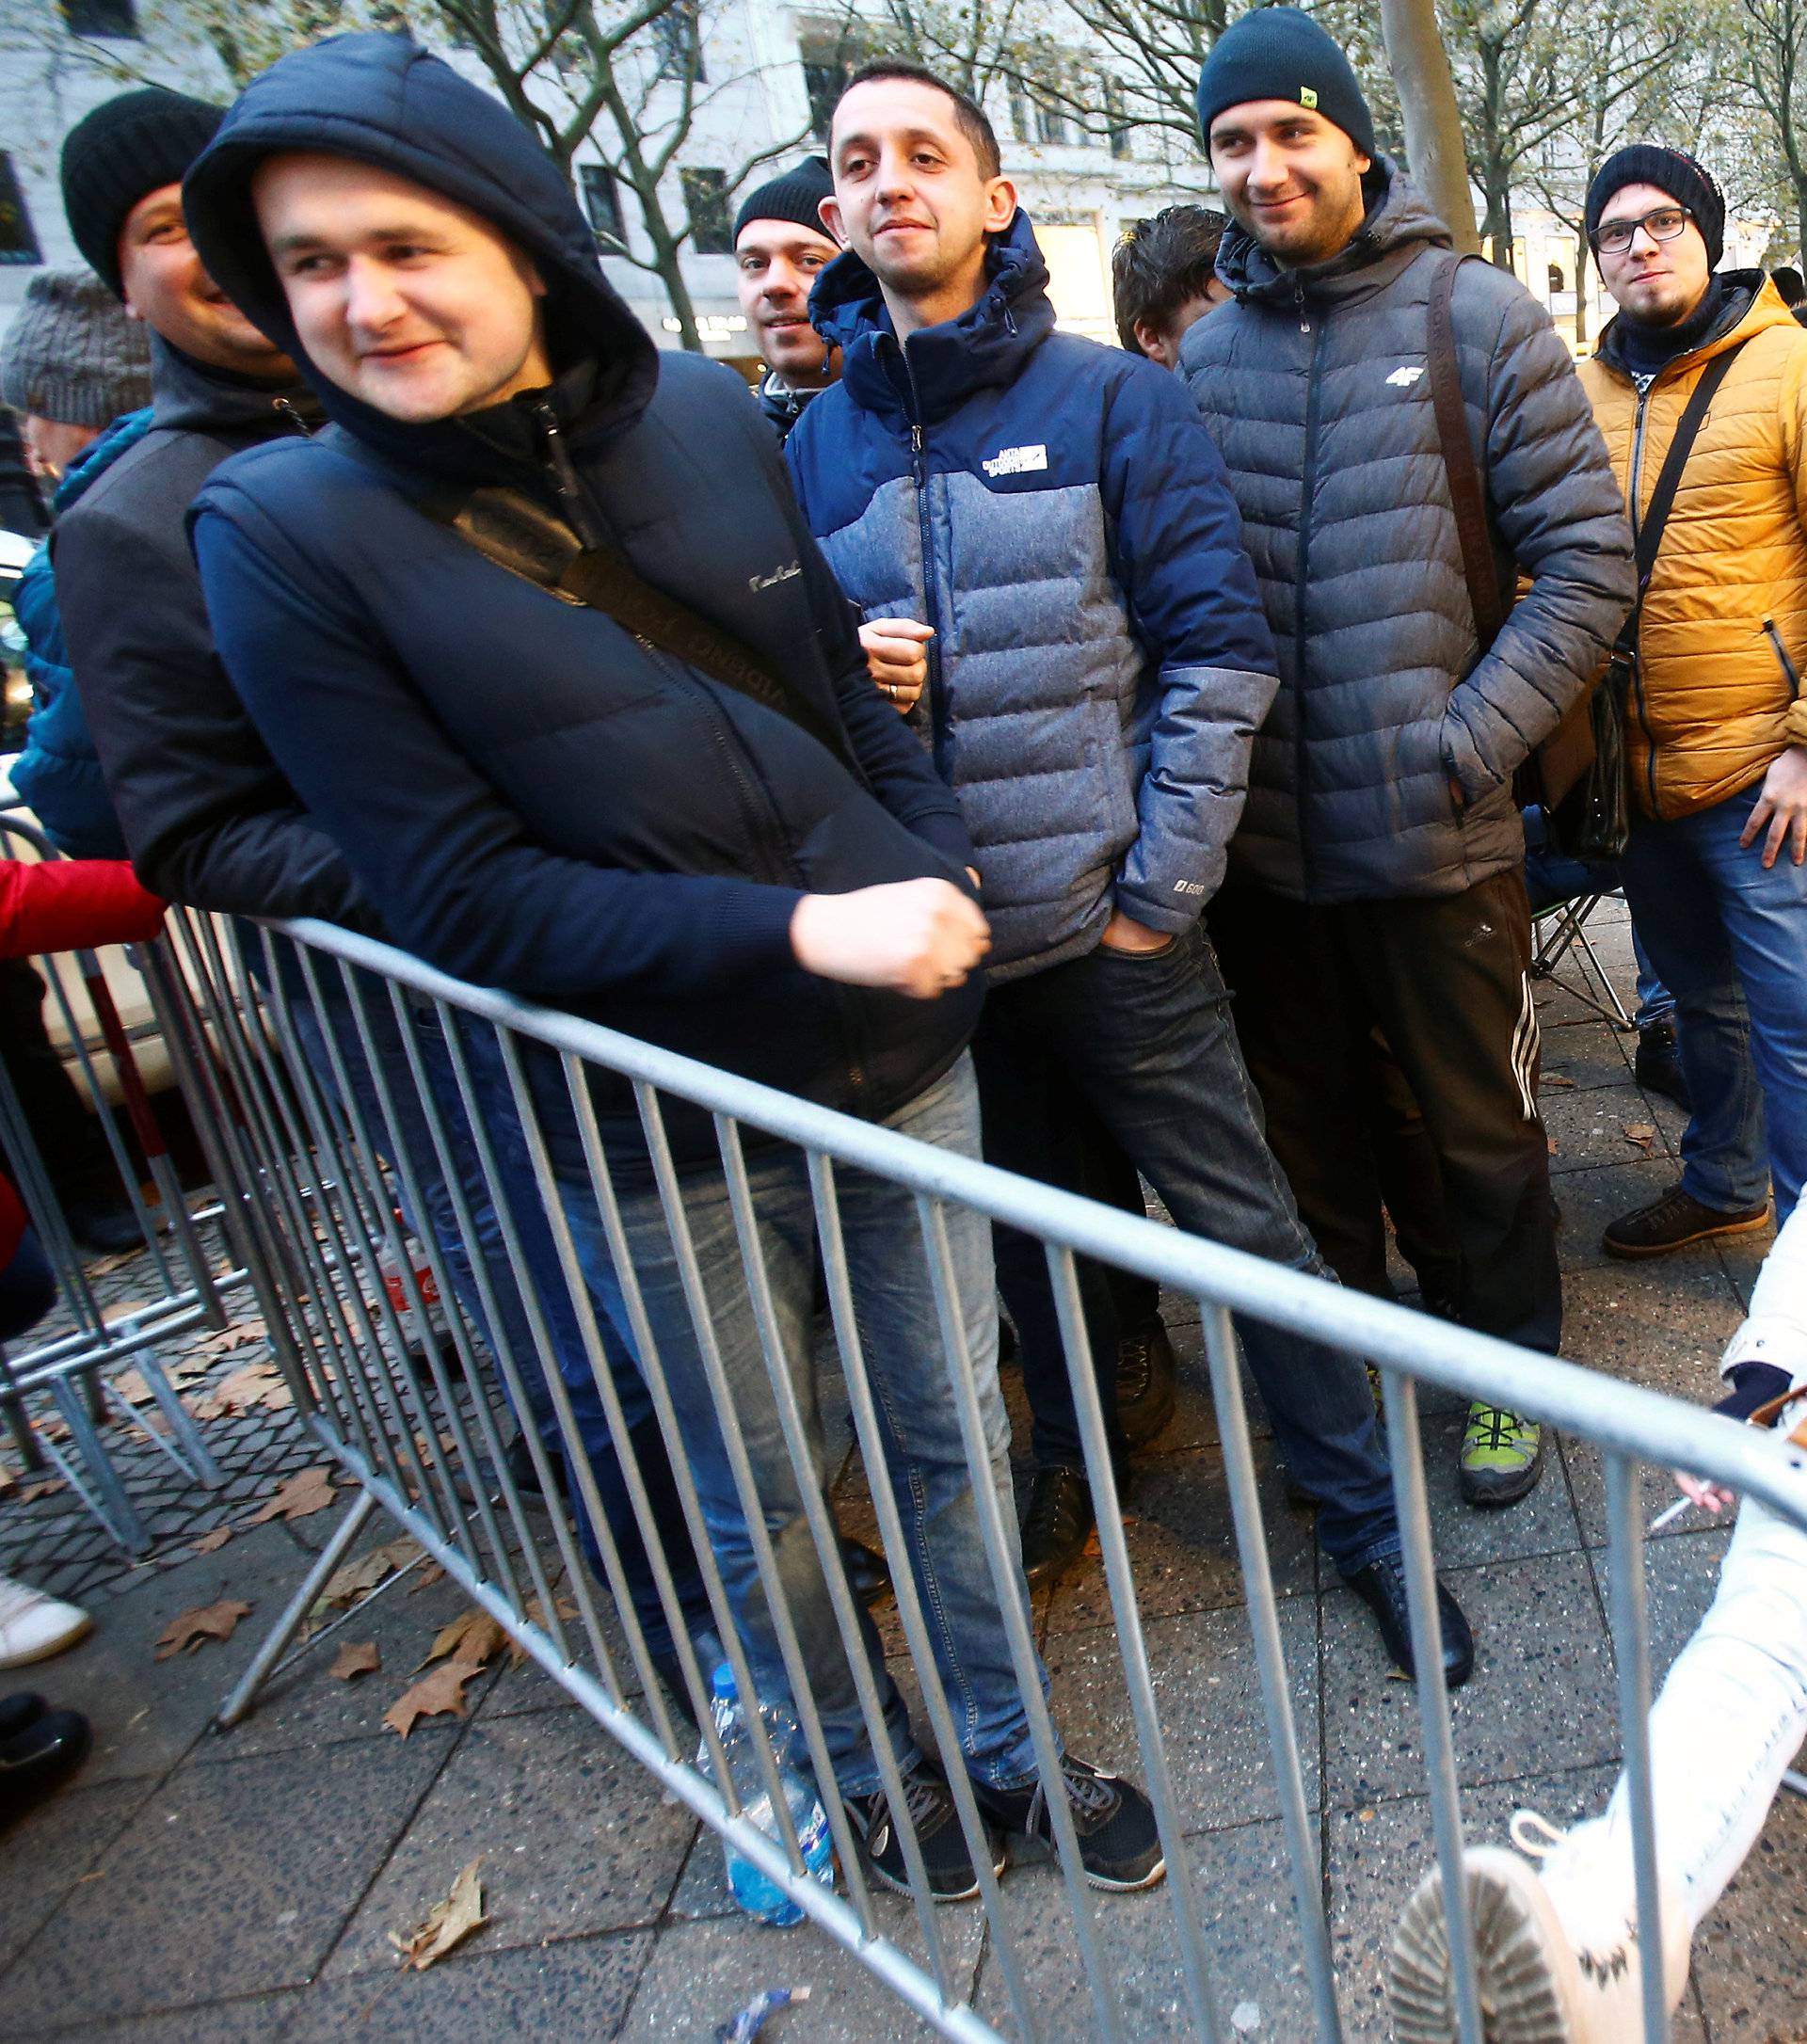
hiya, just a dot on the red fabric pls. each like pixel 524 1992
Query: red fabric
pixel 12 1220
pixel 71 905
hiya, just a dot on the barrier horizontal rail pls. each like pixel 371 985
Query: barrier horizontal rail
pixel 391 1123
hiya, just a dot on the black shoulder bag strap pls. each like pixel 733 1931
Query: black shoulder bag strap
pixel 507 527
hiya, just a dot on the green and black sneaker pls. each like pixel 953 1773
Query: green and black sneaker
pixel 1502 1455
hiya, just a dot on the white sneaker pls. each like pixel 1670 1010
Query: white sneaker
pixel 34 1626
pixel 1556 1950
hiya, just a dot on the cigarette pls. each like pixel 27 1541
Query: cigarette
pixel 1670 1517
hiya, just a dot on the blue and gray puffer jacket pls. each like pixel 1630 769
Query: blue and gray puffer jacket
pixel 1058 512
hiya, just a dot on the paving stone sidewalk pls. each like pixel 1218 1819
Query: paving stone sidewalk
pixel 192 1888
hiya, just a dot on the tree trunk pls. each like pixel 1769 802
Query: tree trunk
pixel 1433 143
pixel 669 269
pixel 1582 254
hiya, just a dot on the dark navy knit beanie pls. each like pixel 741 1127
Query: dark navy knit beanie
pixel 1280 54
pixel 135 143
pixel 796 196
pixel 1687 183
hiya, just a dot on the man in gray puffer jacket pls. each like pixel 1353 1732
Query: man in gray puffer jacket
pixel 1377 875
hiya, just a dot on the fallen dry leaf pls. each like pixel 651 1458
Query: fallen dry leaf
pixel 429 1576
pixel 473 1635
pixel 8 1480
pixel 362 1659
pixel 299 1497
pixel 1554 1079
pixel 1642 1133
pixel 44 1487
pixel 255 1384
pixel 446 1924
pixel 132 1387
pixel 346 1584
pixel 1550 1143
pixel 431 1697
pixel 222 1341
pixel 210 1544
pixel 205 1622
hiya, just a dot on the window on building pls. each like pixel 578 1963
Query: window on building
pixel 601 193
pixel 100 17
pixel 1117 116
pixel 1557 281
pixel 679 44
pixel 1036 117
pixel 17 243
pixel 831 58
pixel 706 202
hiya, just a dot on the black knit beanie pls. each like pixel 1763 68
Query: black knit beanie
pixel 1280 54
pixel 126 147
pixel 1687 183
pixel 796 196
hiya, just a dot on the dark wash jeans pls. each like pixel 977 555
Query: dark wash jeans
pixel 1147 1042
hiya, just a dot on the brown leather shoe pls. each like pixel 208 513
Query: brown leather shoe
pixel 1674 1221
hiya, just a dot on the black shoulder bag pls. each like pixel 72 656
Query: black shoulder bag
pixel 507 527
pixel 1577 774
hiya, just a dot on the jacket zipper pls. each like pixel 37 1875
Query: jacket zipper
pixel 286 410
pixel 1301 577
pixel 1634 487
pixel 925 539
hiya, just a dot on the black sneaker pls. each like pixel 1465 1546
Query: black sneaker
pixel 1119 1845
pixel 16 1712
pixel 1381 1587
pixel 1056 1526
pixel 39 1758
pixel 938 1836
pixel 1657 1067
pixel 1674 1221
pixel 1146 1372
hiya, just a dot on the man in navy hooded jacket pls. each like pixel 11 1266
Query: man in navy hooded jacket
pixel 1058 512
pixel 540 798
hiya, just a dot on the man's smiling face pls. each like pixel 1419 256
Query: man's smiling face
pixel 1290 177
pixel 777 261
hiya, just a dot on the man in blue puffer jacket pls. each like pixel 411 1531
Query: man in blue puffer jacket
pixel 1056 511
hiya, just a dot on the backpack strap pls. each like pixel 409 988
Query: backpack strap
pixel 1467 494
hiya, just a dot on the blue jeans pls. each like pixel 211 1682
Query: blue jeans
pixel 893 1298
pixel 407 1134
pixel 1147 1041
pixel 1553 877
pixel 1731 939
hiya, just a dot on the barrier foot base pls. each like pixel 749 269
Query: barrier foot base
pixel 238 1703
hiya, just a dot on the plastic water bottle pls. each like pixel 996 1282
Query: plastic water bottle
pixel 755 1894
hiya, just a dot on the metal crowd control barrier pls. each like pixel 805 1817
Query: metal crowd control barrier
pixel 417 1429
pixel 187 1291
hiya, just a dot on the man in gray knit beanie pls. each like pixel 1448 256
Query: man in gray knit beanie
pixel 70 364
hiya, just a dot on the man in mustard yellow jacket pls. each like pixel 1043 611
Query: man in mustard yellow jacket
pixel 1717 721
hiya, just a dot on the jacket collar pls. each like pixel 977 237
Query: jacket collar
pixel 941 366
pixel 187 396
pixel 1751 303
pixel 126 431
pixel 1399 225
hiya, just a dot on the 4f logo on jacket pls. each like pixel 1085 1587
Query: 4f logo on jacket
pixel 1405 376
pixel 1016 461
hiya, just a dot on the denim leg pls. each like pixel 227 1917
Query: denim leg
pixel 781 1198
pixel 924 1453
pixel 1148 1040
pixel 1676 904
pixel 1764 914
pixel 1655 1004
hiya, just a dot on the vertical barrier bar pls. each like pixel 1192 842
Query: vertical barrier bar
pixel 1631 1652
pixel 1406 1453
pixel 1270 1661
pixel 1004 1560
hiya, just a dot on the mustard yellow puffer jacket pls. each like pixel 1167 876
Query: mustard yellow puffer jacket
pixel 1712 707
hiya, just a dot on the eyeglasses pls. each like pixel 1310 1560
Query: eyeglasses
pixel 1662 225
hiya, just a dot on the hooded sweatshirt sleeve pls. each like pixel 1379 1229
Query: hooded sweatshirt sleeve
pixel 1559 511
pixel 461 882
pixel 1197 612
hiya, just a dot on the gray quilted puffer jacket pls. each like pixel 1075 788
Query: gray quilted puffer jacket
pixel 1314 385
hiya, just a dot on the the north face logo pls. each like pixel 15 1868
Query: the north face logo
pixel 1405 378
pixel 1016 461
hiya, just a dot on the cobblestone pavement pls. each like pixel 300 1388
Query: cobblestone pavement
pixel 198 1889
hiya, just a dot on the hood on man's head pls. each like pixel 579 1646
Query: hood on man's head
pixel 380 99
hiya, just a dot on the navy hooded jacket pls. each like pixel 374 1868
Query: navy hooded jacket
pixel 1056 510
pixel 532 797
